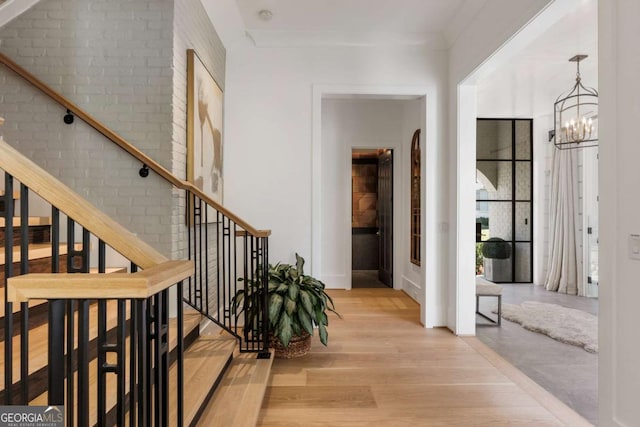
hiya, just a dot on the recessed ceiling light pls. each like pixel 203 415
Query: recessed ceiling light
pixel 265 14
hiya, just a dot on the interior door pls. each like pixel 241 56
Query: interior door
pixel 385 217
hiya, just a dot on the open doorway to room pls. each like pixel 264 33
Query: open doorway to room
pixel 526 79
pixel 372 218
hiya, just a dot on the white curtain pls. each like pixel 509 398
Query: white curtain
pixel 564 269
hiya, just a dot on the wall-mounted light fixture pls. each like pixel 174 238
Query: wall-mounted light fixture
pixel 576 115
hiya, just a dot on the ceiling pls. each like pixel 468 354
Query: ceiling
pixel 524 83
pixel 357 22
pixel 530 81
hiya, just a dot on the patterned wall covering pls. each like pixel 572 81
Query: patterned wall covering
pixel 364 182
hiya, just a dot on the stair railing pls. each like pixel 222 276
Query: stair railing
pixel 131 344
pixel 227 251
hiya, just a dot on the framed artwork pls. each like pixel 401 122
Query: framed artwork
pixel 204 129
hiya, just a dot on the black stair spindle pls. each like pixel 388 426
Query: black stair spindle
pixel 8 272
pixel 121 361
pixel 55 366
pixel 83 362
pixel 24 307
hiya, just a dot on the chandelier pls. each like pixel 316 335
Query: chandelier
pixel 576 115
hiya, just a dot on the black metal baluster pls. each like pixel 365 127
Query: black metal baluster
pixel 234 286
pixel 164 359
pixel 143 364
pixel 155 335
pixel 250 343
pixel 24 307
pixel 206 256
pixel 83 363
pixel 102 363
pixel 121 360
pixel 264 353
pixel 56 364
pixel 102 343
pixel 198 249
pixel 55 377
pixel 245 283
pixel 86 250
pixel 225 268
pixel 70 403
pixel 180 357
pixel 133 338
pixel 55 240
pixel 190 222
pixel 218 245
pixel 8 272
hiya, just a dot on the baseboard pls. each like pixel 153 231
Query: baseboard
pixel 411 288
pixel 335 281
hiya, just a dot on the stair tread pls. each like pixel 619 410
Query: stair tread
pixel 204 361
pixel 38 339
pixel 37 251
pixel 191 321
pixel 33 221
pixel 238 399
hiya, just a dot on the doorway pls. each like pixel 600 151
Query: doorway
pixel 372 218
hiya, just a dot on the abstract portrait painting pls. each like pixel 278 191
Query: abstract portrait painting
pixel 204 129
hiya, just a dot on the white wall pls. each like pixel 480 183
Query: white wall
pixel 269 132
pixel 619 110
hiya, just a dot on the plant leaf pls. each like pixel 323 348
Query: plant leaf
pixel 284 330
pixel 293 291
pixel 299 264
pixel 275 304
pixel 305 321
pixel 289 305
pixel 307 303
pixel 324 336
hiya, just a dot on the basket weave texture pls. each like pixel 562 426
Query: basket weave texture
pixel 298 346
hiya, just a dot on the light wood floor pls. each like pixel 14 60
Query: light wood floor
pixel 383 368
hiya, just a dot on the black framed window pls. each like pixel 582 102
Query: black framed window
pixel 504 193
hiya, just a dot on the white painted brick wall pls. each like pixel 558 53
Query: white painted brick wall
pixel 192 30
pixel 115 59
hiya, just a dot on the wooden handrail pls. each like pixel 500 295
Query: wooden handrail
pixel 83 212
pixel 126 146
pixel 143 284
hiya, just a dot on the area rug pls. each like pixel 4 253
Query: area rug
pixel 563 324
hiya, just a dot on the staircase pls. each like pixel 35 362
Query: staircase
pixel 99 339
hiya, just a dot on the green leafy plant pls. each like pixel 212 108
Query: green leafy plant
pixel 296 302
pixel 496 247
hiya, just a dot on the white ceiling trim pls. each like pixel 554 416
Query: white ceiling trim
pixel 266 38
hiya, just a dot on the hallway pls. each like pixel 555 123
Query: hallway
pixel 383 368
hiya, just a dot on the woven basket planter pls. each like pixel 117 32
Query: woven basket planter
pixel 298 346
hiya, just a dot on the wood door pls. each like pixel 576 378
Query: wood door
pixel 385 217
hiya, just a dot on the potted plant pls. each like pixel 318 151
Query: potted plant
pixel 497 260
pixel 297 304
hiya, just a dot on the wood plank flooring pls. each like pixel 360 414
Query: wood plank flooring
pixel 383 368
